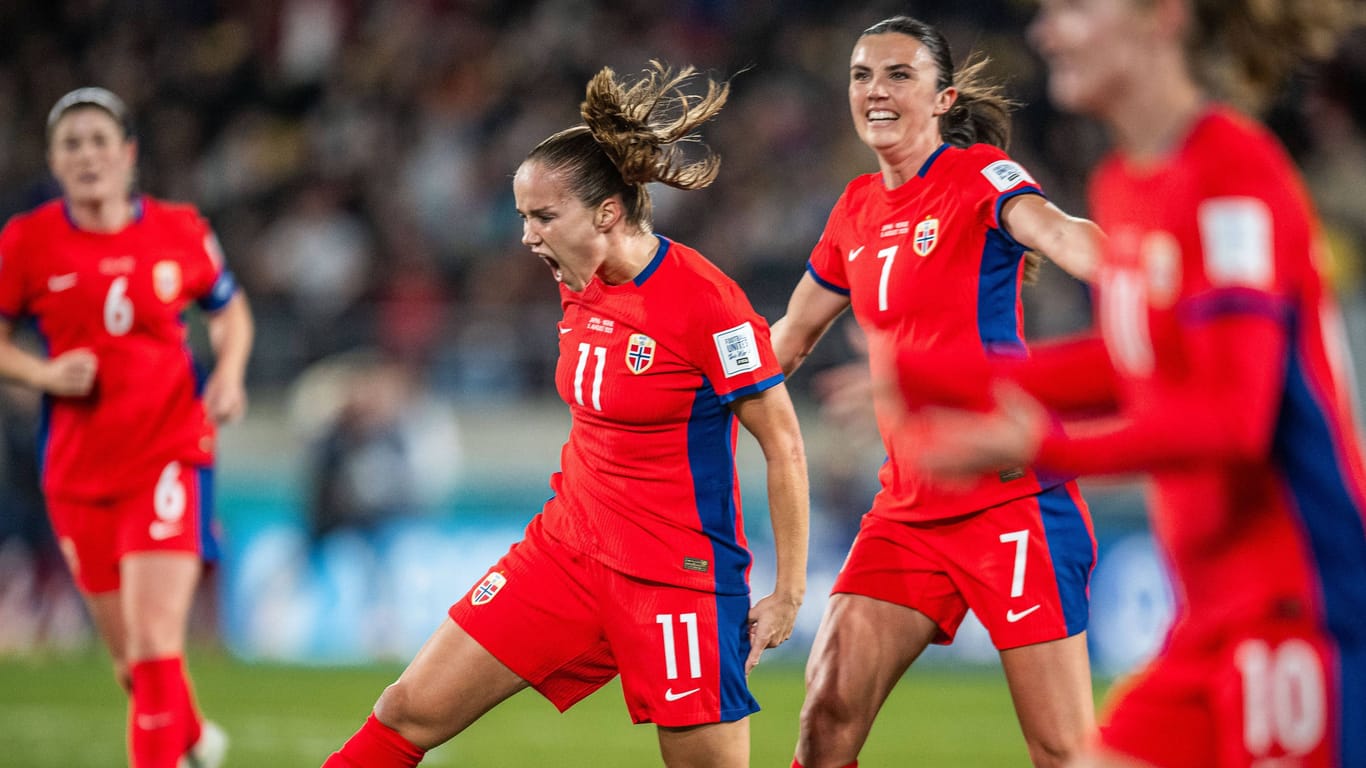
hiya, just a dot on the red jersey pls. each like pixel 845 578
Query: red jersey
pixel 1233 383
pixel 647 482
pixel 121 295
pixel 929 266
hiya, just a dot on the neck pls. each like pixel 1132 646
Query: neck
pixel 1155 115
pixel 904 161
pixel 629 258
pixel 101 215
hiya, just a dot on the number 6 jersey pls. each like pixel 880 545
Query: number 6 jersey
pixel 122 296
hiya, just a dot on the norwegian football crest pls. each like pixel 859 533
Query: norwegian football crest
pixel 926 236
pixel 488 588
pixel 166 280
pixel 640 353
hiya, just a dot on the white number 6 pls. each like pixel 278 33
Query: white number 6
pixel 118 308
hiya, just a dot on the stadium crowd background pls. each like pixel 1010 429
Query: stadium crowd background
pixel 355 156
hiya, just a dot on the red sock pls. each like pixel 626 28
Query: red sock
pixel 161 716
pixel 796 764
pixel 376 745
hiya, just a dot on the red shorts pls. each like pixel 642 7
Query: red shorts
pixel 567 624
pixel 1024 567
pixel 1269 697
pixel 167 517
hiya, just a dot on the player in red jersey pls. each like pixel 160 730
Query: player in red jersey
pixel 638 565
pixel 931 252
pixel 1220 368
pixel 128 442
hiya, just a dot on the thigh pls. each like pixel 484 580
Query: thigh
pixel 862 648
pixel 538 612
pixel 157 592
pixel 716 745
pixel 891 562
pixel 681 652
pixel 1024 567
pixel 1050 684
pixel 94 537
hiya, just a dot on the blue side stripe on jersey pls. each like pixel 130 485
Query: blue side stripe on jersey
pixel 758 386
pixel 732 644
pixel 711 462
pixel 1303 447
pixel 997 292
pixel 1072 551
pixel 924 169
pixel 826 284
pixel 658 259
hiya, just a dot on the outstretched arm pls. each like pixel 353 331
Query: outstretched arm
pixel 769 416
pixel 1074 243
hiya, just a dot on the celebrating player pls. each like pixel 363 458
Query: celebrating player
pixel 931 252
pixel 1221 366
pixel 107 275
pixel 638 564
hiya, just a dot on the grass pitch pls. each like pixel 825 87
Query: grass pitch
pixel 66 711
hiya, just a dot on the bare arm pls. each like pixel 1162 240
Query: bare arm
pixel 769 416
pixel 70 374
pixel 1075 244
pixel 810 312
pixel 231 330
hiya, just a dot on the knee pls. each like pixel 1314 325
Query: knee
pixel 828 711
pixel 1056 750
pixel 399 709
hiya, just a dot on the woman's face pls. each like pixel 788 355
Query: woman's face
pixel 1094 49
pixel 892 92
pixel 556 226
pixel 90 156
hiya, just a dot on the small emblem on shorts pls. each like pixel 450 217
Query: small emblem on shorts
pixel 488 588
pixel 669 694
pixel 1012 616
pixel 695 564
pixel 1015 473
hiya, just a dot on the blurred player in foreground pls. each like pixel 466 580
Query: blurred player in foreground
pixel 638 564
pixel 107 276
pixel 930 253
pixel 1220 368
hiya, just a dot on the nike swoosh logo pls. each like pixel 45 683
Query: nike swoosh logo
pixel 854 253
pixel 563 330
pixel 669 694
pixel 160 531
pixel 1012 616
pixel 59 283
pixel 153 722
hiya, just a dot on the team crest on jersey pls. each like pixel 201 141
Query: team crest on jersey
pixel 640 353
pixel 488 588
pixel 926 236
pixel 166 280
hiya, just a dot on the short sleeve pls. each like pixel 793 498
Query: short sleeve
pixel 826 265
pixel 1001 180
pixel 209 282
pixel 13 281
pixel 730 343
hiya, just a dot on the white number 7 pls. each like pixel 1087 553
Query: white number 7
pixel 1021 539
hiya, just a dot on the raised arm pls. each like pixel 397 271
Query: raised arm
pixel 1073 243
pixel 769 416
pixel 811 310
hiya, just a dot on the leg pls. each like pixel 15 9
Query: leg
pixel 715 745
pixel 1050 684
pixel 106 610
pixel 451 682
pixel 1106 759
pixel 863 647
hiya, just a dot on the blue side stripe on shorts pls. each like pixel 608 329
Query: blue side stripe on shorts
pixel 732 626
pixel 1073 553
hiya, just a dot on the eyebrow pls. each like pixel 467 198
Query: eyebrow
pixel 891 68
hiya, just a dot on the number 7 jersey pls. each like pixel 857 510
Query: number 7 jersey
pixel 122 296
pixel 930 267
pixel 649 369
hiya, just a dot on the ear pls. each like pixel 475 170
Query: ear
pixel 609 212
pixel 944 100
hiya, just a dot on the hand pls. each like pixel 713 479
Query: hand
pixel 959 445
pixel 770 625
pixel 225 398
pixel 70 374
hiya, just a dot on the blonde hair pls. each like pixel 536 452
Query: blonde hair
pixel 1242 50
pixel 632 135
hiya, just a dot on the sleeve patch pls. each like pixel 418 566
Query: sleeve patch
pixel 1235 234
pixel 1005 174
pixel 738 350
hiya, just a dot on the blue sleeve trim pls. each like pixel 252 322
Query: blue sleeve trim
pixel 753 389
pixel 222 292
pixel 1235 301
pixel 1001 203
pixel 826 284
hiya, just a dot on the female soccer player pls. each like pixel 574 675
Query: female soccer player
pixel 1221 364
pixel 638 564
pixel 930 252
pixel 106 275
